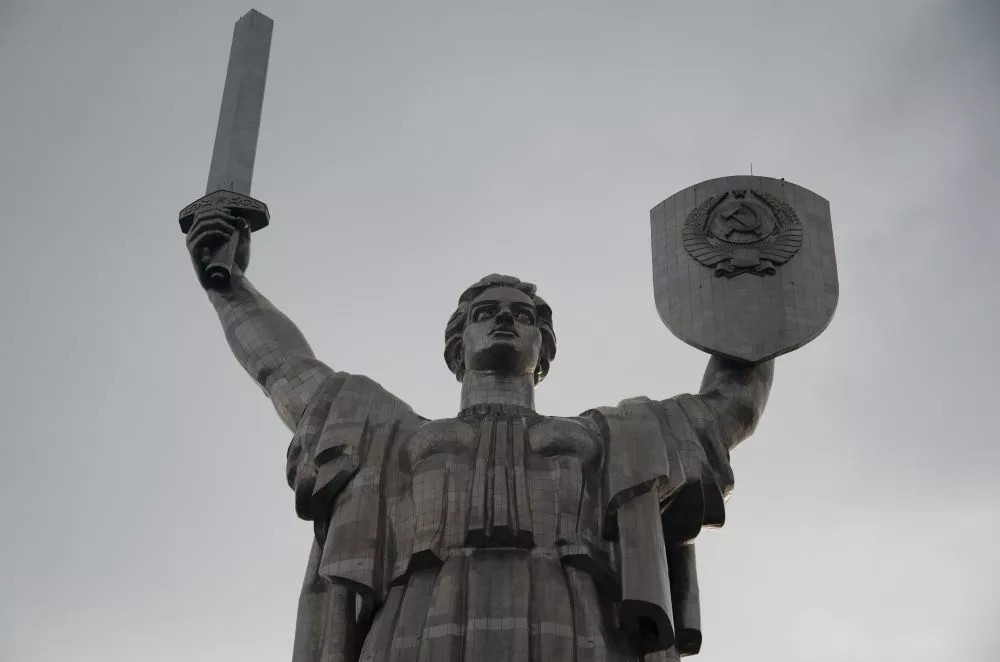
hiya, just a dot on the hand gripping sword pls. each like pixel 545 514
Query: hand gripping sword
pixel 231 171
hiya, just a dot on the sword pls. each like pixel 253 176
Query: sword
pixel 231 170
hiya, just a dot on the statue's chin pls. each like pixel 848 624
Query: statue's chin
pixel 501 356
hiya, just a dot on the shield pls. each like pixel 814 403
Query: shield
pixel 744 266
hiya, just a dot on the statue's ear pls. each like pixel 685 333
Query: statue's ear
pixel 457 361
pixel 454 357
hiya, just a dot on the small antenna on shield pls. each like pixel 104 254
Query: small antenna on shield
pixel 751 167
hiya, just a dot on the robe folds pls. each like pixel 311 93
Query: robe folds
pixel 502 534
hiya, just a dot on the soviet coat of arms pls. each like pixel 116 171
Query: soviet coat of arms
pixel 743 231
pixel 744 266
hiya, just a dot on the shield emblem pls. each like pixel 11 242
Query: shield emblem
pixel 744 266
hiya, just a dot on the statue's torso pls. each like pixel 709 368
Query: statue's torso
pixel 494 522
pixel 496 480
pixel 501 531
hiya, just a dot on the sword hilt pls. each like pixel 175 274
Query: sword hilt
pixel 218 264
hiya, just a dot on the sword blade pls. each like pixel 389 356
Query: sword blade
pixel 242 102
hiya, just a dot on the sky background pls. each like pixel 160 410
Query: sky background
pixel 408 149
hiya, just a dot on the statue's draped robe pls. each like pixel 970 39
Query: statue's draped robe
pixel 502 534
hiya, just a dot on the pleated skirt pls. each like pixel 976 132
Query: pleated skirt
pixel 496 605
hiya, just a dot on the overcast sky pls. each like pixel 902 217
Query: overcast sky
pixel 408 149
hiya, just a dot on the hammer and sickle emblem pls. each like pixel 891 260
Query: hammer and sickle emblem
pixel 742 219
pixel 736 234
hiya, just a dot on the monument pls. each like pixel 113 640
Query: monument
pixel 501 533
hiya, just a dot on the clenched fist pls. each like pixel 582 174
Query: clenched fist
pixel 218 242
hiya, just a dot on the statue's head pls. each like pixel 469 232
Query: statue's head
pixel 500 325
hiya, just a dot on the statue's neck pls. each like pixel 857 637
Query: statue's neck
pixel 491 388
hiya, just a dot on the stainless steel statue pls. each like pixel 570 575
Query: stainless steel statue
pixel 501 533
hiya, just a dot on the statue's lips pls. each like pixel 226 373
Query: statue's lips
pixel 503 334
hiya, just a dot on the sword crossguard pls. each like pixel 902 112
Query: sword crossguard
pixel 254 212
pixel 219 265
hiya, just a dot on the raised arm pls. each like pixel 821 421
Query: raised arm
pixel 270 348
pixel 266 343
pixel 736 393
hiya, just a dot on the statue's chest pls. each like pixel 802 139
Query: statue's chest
pixel 497 480
pixel 500 440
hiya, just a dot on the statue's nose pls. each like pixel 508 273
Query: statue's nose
pixel 505 317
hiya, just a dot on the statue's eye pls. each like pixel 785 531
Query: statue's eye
pixel 524 317
pixel 482 313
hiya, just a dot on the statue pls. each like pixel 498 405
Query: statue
pixel 501 533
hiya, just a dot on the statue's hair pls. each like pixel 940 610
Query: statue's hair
pixel 454 352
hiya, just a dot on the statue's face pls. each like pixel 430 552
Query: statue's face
pixel 501 333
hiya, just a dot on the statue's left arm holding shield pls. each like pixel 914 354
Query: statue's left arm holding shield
pixel 703 428
pixel 736 393
pixel 668 476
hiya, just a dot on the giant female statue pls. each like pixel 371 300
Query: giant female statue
pixel 500 533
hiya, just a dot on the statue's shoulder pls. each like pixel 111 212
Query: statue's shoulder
pixel 348 396
pixel 644 406
pixel 645 416
pixel 627 408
